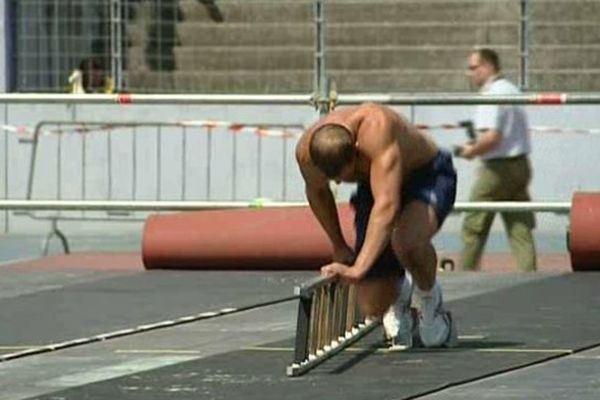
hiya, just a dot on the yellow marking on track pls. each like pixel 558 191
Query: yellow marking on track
pixel 471 337
pixel 524 350
pixel 420 349
pixel 157 351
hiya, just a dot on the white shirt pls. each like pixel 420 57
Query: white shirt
pixel 510 121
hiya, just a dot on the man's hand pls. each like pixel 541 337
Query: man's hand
pixel 465 151
pixel 341 271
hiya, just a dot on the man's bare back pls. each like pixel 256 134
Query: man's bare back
pixel 416 147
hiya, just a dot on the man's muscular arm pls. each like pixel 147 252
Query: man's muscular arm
pixel 323 206
pixel 379 144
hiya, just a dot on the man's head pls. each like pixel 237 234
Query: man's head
pixel 333 151
pixel 483 64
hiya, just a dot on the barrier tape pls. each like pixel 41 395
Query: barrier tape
pixel 26 133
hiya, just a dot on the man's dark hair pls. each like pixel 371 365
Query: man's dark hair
pixel 489 56
pixel 331 148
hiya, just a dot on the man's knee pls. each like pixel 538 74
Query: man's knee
pixel 406 246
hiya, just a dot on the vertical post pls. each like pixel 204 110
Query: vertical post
pixel 116 51
pixel 183 162
pixel 320 84
pixel 304 311
pixel 524 46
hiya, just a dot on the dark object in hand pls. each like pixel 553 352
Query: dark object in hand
pixel 469 128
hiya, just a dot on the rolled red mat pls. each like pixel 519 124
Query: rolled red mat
pixel 266 238
pixel 584 237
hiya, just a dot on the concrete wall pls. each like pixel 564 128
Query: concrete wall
pixel 563 162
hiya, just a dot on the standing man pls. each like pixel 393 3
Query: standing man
pixel 503 146
pixel 406 188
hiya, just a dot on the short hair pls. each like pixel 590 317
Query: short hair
pixel 331 148
pixel 489 56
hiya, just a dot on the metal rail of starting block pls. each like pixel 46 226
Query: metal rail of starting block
pixel 329 321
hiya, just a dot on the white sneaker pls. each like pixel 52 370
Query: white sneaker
pixel 436 326
pixel 399 321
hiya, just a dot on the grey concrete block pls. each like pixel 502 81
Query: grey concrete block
pixel 230 58
pixel 435 33
pixel 265 82
pixel 421 10
pixel 571 32
pixel 565 80
pixel 560 57
pixel 564 10
pixel 410 57
pixel 246 34
pixel 255 11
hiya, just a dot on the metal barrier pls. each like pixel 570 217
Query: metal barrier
pixel 305 99
pixel 84 130
pixel 329 321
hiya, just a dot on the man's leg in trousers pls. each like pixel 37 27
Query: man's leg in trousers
pixel 476 225
pixel 475 230
pixel 519 227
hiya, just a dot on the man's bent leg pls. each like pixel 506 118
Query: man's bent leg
pixel 376 295
pixel 412 243
pixel 398 322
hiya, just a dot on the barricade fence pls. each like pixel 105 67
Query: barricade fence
pixel 135 161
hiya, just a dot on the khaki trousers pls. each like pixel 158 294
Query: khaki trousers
pixel 500 180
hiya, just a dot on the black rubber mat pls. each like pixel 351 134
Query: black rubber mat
pixel 501 330
pixel 86 309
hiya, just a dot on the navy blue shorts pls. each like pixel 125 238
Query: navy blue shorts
pixel 433 184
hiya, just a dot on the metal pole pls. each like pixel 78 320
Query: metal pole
pixel 163 205
pixel 116 53
pixel 300 99
pixel 524 47
pixel 318 78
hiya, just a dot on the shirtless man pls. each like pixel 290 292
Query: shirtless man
pixel 406 187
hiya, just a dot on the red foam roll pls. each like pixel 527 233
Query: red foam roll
pixel 279 239
pixel 584 239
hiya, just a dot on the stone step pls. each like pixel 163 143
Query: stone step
pixel 567 80
pixel 545 33
pixel 238 82
pixel 366 81
pixel 410 57
pixel 559 57
pixel 390 33
pixel 421 10
pixel 256 11
pixel 230 58
pixel 564 10
pixel 246 34
pixel 402 80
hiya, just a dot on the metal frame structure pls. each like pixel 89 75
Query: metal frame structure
pixel 120 212
pixel 114 205
pixel 329 321
pixel 397 99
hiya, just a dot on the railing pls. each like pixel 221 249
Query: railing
pixel 188 132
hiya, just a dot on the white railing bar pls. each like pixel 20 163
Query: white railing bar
pixel 470 99
pixel 135 205
pixel 305 99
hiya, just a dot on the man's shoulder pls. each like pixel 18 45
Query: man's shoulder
pixel 503 86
